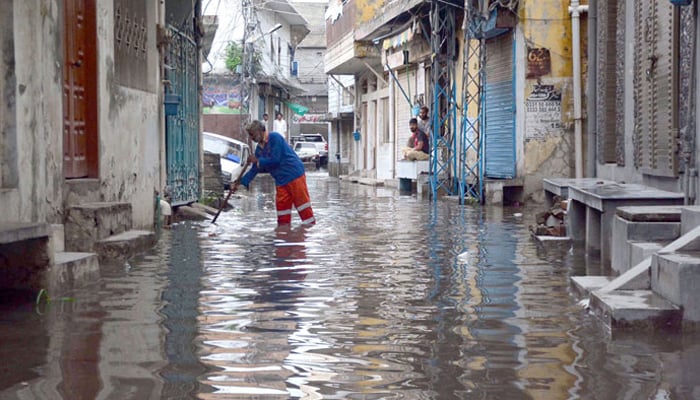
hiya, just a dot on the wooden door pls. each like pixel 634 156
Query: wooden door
pixel 79 90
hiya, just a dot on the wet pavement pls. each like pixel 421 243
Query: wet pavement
pixel 387 297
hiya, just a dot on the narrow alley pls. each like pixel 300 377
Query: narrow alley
pixel 387 297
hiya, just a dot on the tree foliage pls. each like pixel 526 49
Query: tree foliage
pixel 234 56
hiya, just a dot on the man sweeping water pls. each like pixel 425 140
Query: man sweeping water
pixel 273 155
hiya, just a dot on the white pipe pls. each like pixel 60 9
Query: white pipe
pixel 576 9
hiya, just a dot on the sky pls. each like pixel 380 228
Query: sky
pixel 230 27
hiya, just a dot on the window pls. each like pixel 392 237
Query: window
pixel 131 43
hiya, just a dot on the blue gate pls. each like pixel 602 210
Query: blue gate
pixel 182 122
pixel 499 109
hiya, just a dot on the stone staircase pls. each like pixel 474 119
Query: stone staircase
pixel 57 258
pixel 656 271
pixel 105 229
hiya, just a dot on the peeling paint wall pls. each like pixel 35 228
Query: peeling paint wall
pixel 367 10
pixel 129 120
pixel 129 124
pixel 36 194
pixel 545 102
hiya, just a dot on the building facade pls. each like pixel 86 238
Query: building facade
pixel 268 33
pixel 643 127
pixel 518 131
pixel 83 117
pixel 308 68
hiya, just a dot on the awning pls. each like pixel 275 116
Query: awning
pixel 297 108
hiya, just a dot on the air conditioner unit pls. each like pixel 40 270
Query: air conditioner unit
pixel 294 70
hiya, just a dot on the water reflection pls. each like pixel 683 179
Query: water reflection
pixel 180 311
pixel 387 297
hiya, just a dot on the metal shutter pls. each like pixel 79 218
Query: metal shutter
pixel 499 132
pixel 656 80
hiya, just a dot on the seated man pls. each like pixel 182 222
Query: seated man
pixel 421 147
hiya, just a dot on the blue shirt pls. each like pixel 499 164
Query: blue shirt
pixel 278 159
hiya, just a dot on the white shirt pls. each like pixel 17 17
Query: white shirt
pixel 280 126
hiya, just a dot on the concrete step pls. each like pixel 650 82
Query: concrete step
pixel 626 231
pixel 125 245
pixel 636 309
pixel 72 270
pixel 88 223
pixel 584 285
pixel 205 208
pixel 636 278
pixel 25 255
pixel 676 277
pixel 639 251
pixel 690 218
pixel 370 182
pixel 191 213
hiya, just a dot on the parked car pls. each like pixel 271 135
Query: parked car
pixel 318 140
pixel 234 154
pixel 307 152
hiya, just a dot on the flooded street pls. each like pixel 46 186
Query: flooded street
pixel 387 297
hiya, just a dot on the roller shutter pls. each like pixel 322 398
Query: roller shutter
pixel 499 108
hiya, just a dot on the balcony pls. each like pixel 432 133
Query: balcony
pixel 345 55
pixel 351 36
pixel 390 13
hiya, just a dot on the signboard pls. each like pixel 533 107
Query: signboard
pixel 543 113
pixel 539 63
pixel 308 118
pixel 221 96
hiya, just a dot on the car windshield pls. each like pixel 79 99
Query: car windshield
pixel 223 148
pixel 313 138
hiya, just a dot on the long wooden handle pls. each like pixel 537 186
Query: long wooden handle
pixel 230 192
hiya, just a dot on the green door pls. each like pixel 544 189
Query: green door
pixel 182 128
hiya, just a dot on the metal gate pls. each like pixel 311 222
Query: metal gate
pixel 182 129
pixel 499 107
pixel 656 88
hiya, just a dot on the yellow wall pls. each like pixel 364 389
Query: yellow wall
pixel 547 24
pixel 367 10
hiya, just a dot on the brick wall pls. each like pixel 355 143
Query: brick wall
pixel 225 124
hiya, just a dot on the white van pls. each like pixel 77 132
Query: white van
pixel 234 154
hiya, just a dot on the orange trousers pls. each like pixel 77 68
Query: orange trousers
pixel 295 194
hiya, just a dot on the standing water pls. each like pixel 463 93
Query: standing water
pixel 387 297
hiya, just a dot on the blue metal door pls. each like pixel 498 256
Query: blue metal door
pixel 182 128
pixel 499 109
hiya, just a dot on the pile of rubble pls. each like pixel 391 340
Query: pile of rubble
pixel 552 222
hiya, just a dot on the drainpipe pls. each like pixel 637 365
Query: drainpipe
pixel 163 182
pixel 576 9
pixel 592 88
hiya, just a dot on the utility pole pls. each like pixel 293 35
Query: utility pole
pixel 248 72
pixel 472 117
pixel 443 163
pixel 456 165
